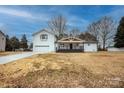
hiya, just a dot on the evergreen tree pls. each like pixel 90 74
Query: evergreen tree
pixel 8 44
pixel 23 42
pixel 15 43
pixel 119 37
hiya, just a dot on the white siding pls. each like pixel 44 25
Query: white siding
pixel 44 46
pixel 90 47
pixel 2 42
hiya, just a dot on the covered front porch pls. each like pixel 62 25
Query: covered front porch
pixel 70 44
pixel 70 47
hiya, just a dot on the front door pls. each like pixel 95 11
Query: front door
pixel 70 46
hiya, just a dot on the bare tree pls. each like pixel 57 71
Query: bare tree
pixel 107 29
pixel 104 31
pixel 58 25
pixel 93 29
pixel 75 32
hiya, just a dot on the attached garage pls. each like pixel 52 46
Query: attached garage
pixel 42 48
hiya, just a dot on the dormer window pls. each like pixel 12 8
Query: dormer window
pixel 44 37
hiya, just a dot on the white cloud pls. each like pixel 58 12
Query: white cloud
pixel 23 14
pixel 14 12
pixel 44 16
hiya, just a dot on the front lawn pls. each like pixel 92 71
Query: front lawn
pixel 102 69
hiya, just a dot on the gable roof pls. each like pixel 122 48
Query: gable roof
pixel 2 33
pixel 74 40
pixel 42 31
pixel 71 40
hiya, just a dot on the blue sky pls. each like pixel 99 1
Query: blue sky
pixel 18 20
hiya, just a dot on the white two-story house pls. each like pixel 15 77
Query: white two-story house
pixel 45 41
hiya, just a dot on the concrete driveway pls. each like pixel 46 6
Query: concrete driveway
pixel 9 58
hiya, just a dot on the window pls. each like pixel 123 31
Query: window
pixel 62 45
pixel 2 38
pixel 44 37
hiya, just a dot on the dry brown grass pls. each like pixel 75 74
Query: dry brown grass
pixel 102 69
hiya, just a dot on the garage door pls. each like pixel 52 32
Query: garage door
pixel 42 48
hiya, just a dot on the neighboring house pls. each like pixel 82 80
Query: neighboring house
pixel 45 41
pixel 2 41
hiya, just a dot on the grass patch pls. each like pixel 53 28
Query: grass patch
pixel 64 77
pixel 36 65
pixel 68 76
pixel 65 70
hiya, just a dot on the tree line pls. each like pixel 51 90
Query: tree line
pixel 13 43
pixel 105 31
